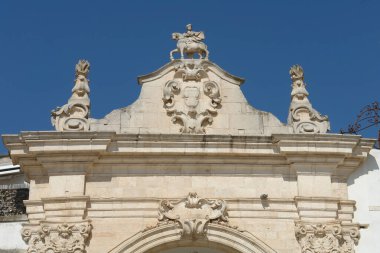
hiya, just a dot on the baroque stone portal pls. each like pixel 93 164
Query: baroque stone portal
pixel 190 130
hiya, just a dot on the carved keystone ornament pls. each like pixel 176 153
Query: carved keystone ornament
pixel 192 214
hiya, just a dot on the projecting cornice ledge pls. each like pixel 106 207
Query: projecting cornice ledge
pixel 294 147
pixel 334 154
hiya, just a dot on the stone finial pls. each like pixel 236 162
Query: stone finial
pixel 302 116
pixel 190 43
pixel 73 116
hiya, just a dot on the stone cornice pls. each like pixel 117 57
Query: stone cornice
pixel 339 154
pixel 171 65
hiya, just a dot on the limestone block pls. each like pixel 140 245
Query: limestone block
pixel 70 185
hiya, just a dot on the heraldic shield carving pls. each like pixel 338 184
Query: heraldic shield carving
pixel 191 99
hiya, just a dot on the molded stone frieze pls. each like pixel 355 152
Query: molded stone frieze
pixel 302 116
pixel 58 238
pixel 188 101
pixel 192 214
pixel 327 238
pixel 73 116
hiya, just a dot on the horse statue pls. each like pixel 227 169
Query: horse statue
pixel 190 43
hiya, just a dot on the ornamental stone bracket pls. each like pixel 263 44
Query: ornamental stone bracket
pixel 57 238
pixel 302 116
pixel 331 237
pixel 192 215
pixel 191 99
pixel 74 115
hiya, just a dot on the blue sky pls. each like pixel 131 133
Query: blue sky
pixel 336 42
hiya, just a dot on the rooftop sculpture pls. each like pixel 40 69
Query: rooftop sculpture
pixel 190 43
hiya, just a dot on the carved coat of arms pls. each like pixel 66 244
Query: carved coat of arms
pixel 191 99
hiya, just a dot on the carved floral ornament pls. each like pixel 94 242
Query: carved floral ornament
pixel 192 215
pixel 326 238
pixel 188 100
pixel 59 238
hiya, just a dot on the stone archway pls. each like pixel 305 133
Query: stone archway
pixel 219 237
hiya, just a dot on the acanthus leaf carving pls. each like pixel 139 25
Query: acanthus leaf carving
pixel 74 115
pixel 326 238
pixel 192 214
pixel 58 238
pixel 190 102
pixel 302 116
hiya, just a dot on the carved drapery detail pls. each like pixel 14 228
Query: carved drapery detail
pixel 192 214
pixel 188 101
pixel 302 116
pixel 327 238
pixel 74 115
pixel 58 238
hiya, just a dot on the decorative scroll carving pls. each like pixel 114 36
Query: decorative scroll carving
pixel 68 238
pixel 302 116
pixel 191 70
pixel 190 43
pixel 188 101
pixel 73 116
pixel 327 238
pixel 192 214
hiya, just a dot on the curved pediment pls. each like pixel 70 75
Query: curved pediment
pixel 191 96
pixel 218 71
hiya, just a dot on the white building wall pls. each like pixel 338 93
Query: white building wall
pixel 10 238
pixel 364 187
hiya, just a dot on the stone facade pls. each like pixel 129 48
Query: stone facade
pixel 190 164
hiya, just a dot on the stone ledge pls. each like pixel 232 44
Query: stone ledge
pixel 13 218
